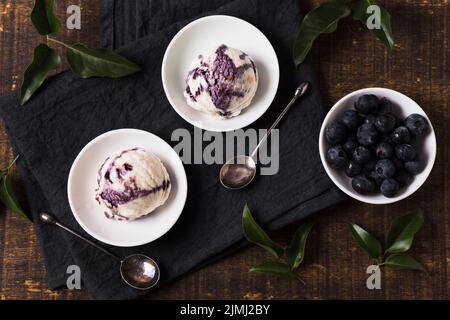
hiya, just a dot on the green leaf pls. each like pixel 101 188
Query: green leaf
pixel 402 231
pixel 87 62
pixel 322 19
pixel 45 59
pixel 254 233
pixel 44 18
pixel 359 12
pixel 8 198
pixel 296 250
pixel 366 241
pixel 275 268
pixel 400 261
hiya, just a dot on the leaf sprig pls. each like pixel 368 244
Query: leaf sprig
pixel 288 259
pixel 7 196
pixel 398 241
pixel 325 18
pixel 83 61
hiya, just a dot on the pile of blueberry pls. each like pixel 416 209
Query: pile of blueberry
pixel 377 149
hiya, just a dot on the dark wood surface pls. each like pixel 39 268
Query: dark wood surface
pixel 333 268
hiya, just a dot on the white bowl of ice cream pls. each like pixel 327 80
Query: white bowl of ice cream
pixel 220 73
pixel 127 187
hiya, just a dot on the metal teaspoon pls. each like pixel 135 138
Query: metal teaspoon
pixel 137 270
pixel 239 171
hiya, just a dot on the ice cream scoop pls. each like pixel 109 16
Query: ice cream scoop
pixel 222 83
pixel 132 184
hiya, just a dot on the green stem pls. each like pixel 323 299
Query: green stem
pixel 57 41
pixel 11 164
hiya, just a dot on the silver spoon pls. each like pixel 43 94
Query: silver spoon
pixel 239 171
pixel 137 270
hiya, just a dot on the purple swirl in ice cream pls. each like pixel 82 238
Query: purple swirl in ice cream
pixel 131 192
pixel 132 184
pixel 222 83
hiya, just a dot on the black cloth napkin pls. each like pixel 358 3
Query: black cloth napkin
pixel 62 118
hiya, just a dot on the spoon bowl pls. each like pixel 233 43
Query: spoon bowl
pixel 139 271
pixel 238 172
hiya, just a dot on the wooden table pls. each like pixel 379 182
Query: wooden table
pixel 334 268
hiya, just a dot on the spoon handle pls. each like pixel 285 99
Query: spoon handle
pixel 50 219
pixel 300 91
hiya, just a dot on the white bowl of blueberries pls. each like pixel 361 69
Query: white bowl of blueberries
pixel 377 145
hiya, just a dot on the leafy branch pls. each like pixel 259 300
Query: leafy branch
pixel 325 18
pixel 288 259
pixel 398 241
pixel 7 196
pixel 83 61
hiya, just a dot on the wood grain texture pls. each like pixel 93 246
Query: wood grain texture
pixel 334 268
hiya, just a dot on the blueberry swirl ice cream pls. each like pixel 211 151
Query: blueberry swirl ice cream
pixel 222 83
pixel 132 184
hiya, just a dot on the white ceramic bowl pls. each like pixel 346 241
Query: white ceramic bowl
pixel 404 106
pixel 83 181
pixel 208 33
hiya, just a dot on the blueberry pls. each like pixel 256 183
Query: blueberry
pixel 367 134
pixel 389 188
pixel 385 106
pixel 370 166
pixel 362 155
pixel 401 135
pixel 405 152
pixel 385 123
pixel 397 163
pixel 337 157
pixel 384 150
pixel 369 119
pixel 351 119
pixel 399 121
pixel 417 124
pixel 350 145
pixel 367 103
pixel 376 178
pixel 414 142
pixel 385 168
pixel 402 178
pixel 363 185
pixel 352 169
pixel 336 133
pixel 413 167
pixel 387 139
